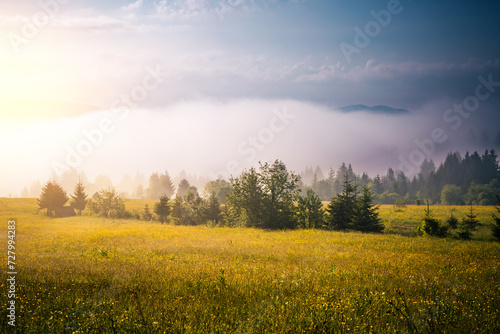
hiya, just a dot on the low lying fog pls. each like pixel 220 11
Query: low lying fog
pixel 211 139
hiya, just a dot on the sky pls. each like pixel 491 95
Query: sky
pixel 214 86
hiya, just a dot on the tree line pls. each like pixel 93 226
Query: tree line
pixel 471 179
pixel 271 197
pixel 268 197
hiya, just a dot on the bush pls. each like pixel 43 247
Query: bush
pixel 109 204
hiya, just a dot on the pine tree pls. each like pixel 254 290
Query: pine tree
pixel 154 189
pixel 431 226
pixel 212 210
pixel 79 198
pixel 496 227
pixel 167 186
pixel 264 199
pixel 52 198
pixel 177 211
pixel 366 218
pixel 467 225
pixel 146 214
pixel 452 221
pixel 182 187
pixel 377 185
pixel 341 207
pixel 470 221
pixel 162 208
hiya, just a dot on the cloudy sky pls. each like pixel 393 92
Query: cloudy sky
pixel 214 86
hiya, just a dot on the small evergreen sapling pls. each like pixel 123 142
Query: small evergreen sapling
pixel 431 225
pixel 467 225
pixel 496 227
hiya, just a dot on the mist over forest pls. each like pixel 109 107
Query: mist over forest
pixel 212 140
pixel 472 178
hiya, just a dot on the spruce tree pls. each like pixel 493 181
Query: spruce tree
pixel 166 184
pixel 177 211
pixel 52 198
pixel 162 208
pixel 452 221
pixel 146 214
pixel 212 210
pixel 182 187
pixel 470 221
pixel 154 189
pixel 496 227
pixel 79 198
pixel 366 218
pixel 341 207
pixel 468 224
pixel 431 225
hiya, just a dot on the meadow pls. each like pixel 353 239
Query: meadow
pixel 94 275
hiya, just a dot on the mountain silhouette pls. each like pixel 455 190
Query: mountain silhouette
pixel 375 109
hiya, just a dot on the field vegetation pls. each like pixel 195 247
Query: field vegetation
pixel 89 274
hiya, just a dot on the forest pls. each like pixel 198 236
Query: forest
pixel 271 197
pixel 458 180
pixel 471 179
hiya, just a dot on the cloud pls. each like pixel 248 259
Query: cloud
pixel 101 22
pixel 134 5
pixel 187 9
pixel 376 69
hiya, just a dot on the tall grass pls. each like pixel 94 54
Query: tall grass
pixel 94 275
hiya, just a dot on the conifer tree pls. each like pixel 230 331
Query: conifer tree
pixel 431 225
pixel 146 214
pixel 365 217
pixel 52 198
pixel 154 189
pixel 212 210
pixel 496 227
pixel 166 184
pixel 470 221
pixel 468 224
pixel 183 187
pixel 79 198
pixel 162 208
pixel 341 207
pixel 177 211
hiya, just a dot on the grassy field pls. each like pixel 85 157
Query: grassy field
pixel 94 275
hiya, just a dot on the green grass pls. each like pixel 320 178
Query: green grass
pixel 94 275
pixel 405 220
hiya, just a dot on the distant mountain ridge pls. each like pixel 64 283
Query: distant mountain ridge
pixel 374 109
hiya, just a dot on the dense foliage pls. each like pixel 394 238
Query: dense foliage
pixel 472 179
